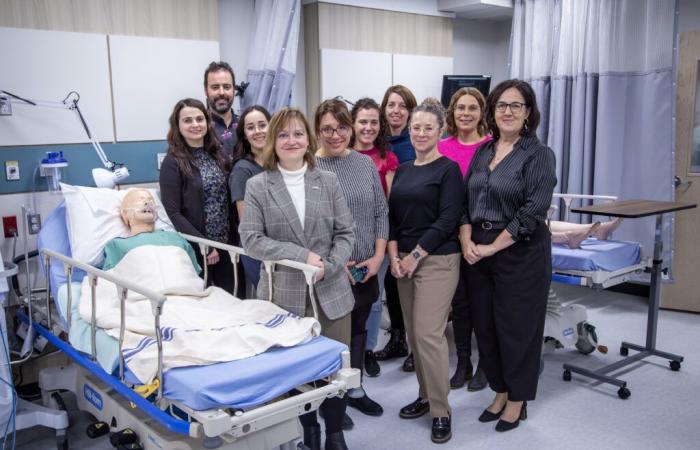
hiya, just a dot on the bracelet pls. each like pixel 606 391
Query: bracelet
pixel 396 258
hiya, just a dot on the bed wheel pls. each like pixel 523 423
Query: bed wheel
pixel 624 393
pixel 566 376
pixel 624 351
pixel 587 338
pixel 675 365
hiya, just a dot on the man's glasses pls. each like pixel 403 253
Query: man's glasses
pixel 342 131
pixel 515 107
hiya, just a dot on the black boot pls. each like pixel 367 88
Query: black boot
pixel 479 381
pixel 395 348
pixel 312 436
pixel 336 441
pixel 409 364
pixel 463 372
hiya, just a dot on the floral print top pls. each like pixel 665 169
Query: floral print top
pixel 214 184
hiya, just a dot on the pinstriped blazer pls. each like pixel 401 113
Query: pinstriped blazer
pixel 270 230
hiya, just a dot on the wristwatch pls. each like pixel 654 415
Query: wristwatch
pixel 416 255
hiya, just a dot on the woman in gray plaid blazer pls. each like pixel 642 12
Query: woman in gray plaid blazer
pixel 295 211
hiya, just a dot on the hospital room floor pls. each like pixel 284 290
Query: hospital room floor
pixel 582 414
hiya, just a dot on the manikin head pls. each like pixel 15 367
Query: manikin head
pixel 138 211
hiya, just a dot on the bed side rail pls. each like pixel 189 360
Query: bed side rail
pixel 236 252
pixel 569 198
pixel 123 286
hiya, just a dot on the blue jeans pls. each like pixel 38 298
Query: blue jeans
pixel 375 315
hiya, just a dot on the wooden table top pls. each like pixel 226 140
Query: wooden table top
pixel 633 208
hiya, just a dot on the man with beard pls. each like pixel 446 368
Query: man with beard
pixel 220 89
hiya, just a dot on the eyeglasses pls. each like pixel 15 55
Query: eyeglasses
pixel 253 128
pixel 515 107
pixel 283 136
pixel 417 129
pixel 471 108
pixel 342 130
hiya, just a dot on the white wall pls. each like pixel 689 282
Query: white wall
pixel 480 47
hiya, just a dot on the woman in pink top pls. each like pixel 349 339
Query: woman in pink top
pixel 370 139
pixel 466 126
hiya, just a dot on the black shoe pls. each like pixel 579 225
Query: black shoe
pixel 414 410
pixel 488 416
pixel 312 437
pixel 372 368
pixel 336 441
pixel 502 425
pixel 348 424
pixel 462 374
pixel 409 365
pixel 395 348
pixel 478 381
pixel 366 405
pixel 441 431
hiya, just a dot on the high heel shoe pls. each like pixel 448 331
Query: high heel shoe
pixel 502 425
pixel 488 416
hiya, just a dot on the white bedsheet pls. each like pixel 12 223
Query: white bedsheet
pixel 198 326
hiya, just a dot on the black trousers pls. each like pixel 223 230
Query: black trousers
pixel 462 324
pixel 365 295
pixel 393 303
pixel 508 293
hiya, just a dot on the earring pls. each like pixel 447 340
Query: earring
pixel 525 127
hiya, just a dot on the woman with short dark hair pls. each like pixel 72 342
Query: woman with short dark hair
pixel 506 241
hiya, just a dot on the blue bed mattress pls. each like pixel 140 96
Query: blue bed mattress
pixel 596 255
pixel 236 384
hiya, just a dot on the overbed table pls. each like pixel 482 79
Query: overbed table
pixel 634 209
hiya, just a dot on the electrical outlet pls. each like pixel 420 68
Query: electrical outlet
pixel 160 156
pixel 9 224
pixel 12 170
pixel 34 222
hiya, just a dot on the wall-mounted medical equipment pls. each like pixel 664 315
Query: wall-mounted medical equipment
pixel 113 172
pixel 52 167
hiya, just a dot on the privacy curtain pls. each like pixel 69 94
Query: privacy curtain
pixel 602 73
pixel 273 55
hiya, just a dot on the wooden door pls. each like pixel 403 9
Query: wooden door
pixel 684 292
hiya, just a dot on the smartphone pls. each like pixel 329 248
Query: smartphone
pixel 358 273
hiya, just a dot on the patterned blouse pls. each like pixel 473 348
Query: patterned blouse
pixel 214 184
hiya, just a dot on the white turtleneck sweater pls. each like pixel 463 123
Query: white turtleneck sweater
pixel 294 180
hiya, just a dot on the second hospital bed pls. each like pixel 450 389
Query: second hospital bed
pixel 234 405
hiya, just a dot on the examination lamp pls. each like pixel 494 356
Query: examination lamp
pixel 113 172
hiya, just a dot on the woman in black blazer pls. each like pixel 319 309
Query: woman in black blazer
pixel 194 185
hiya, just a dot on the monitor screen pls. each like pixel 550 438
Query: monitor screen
pixel 452 83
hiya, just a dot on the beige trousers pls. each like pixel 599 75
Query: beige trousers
pixel 425 304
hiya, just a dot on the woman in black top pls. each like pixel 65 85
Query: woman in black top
pixel 507 243
pixel 251 133
pixel 193 185
pixel 424 210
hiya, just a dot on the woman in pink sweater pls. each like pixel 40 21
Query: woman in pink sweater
pixel 466 127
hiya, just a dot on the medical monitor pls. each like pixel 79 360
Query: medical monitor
pixel 452 83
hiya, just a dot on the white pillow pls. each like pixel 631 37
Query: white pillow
pixel 92 218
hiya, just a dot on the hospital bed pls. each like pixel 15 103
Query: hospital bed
pixel 242 404
pixel 597 265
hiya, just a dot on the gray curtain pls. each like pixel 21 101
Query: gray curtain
pixel 273 54
pixel 602 73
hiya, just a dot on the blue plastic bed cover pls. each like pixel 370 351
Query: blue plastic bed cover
pixel 596 255
pixel 235 384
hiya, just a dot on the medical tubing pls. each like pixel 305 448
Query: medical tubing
pixel 122 329
pixel 25 232
pixel 69 292
pixel 47 265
